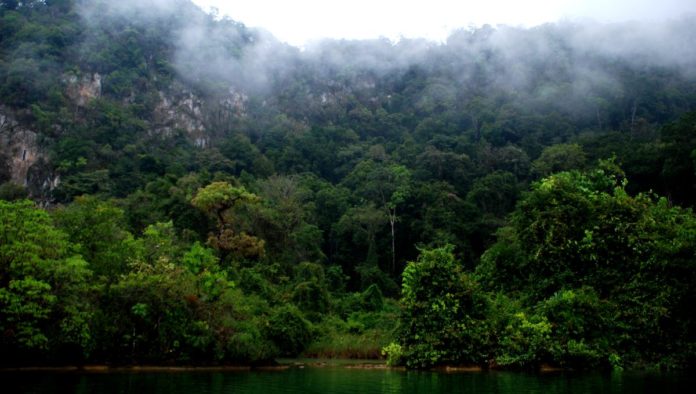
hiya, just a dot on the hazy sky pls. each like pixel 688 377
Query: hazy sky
pixel 298 21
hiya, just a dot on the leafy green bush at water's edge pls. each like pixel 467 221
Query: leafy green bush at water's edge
pixel 584 276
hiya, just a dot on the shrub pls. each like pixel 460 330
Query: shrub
pixel 289 330
pixel 444 313
pixel 394 354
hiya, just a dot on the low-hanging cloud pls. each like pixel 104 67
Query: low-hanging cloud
pixel 224 52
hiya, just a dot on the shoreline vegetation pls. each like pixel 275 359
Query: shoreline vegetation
pixel 281 365
pixel 179 189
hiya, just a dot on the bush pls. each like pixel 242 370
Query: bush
pixel 10 191
pixel 583 330
pixel 444 318
pixel 253 282
pixel 524 342
pixel 289 330
pixel 311 297
pixel 372 299
pixel 372 275
pixel 394 354
pixel 336 279
pixel 248 344
pixel 309 272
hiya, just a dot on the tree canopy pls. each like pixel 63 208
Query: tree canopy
pixel 206 194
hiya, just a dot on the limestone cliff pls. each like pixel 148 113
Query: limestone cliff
pixel 82 88
pixel 181 109
pixel 21 160
pixel 201 118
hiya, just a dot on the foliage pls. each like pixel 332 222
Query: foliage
pixel 361 334
pixel 444 313
pixel 220 199
pixel 289 330
pixel 372 299
pixel 520 336
pixel 560 157
pixel 582 327
pixel 579 251
pixel 199 205
pixel 10 191
pixel 45 289
pixel 100 230
pixel 393 353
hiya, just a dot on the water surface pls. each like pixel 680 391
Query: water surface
pixel 340 380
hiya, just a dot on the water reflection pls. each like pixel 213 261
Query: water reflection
pixel 342 381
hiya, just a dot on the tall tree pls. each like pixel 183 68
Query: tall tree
pixel 42 282
pixel 221 200
pixel 387 185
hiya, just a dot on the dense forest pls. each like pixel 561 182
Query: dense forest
pixel 177 188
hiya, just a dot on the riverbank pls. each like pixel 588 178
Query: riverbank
pixel 279 365
pixel 284 364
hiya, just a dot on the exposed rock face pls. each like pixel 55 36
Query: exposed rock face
pixel 83 89
pixel 199 119
pixel 41 180
pixel 21 161
pixel 235 101
pixel 17 147
pixel 180 111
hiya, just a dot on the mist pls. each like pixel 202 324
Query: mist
pixel 218 54
pixel 302 21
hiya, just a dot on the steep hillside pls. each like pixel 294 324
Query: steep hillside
pixel 324 169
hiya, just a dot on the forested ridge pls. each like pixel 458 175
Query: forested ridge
pixel 177 188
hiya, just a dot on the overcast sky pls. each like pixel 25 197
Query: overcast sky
pixel 300 21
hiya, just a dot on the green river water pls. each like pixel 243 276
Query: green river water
pixel 338 379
